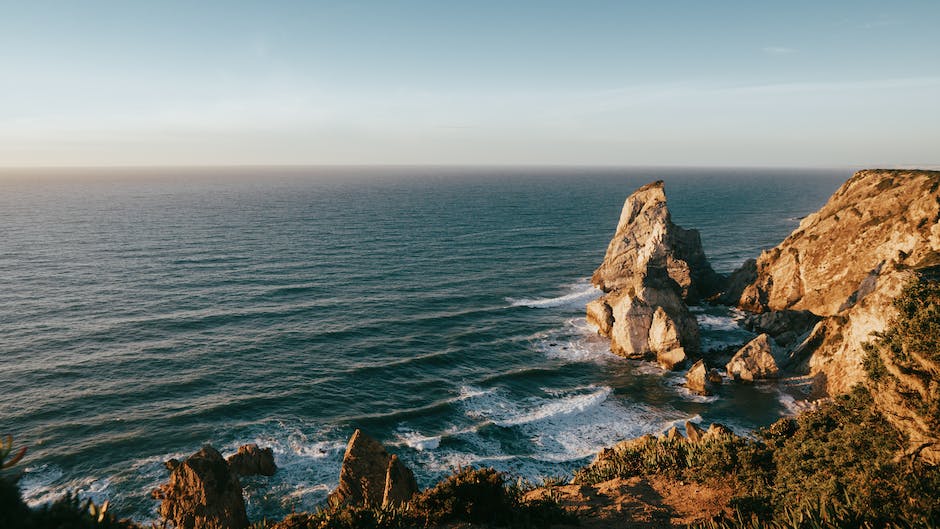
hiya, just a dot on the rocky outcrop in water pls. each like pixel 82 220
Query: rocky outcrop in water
pixel 370 476
pixel 755 361
pixel 845 264
pixel 702 380
pixel 652 268
pixel 252 461
pixel 202 493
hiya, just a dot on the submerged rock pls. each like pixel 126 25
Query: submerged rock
pixel 202 493
pixel 370 476
pixel 652 268
pixel 754 361
pixel 251 460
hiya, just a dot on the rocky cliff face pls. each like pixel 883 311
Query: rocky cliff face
pixel 846 263
pixel 202 493
pixel 652 268
pixel 371 477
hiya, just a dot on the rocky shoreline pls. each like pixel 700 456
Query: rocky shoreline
pixel 824 306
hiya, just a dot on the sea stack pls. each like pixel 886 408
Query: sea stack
pixel 202 493
pixel 652 268
pixel 371 477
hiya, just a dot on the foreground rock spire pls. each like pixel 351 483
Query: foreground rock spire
pixel 651 270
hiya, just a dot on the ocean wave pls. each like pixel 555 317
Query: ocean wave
pixel 44 484
pixel 416 440
pixel 578 295
pixel 575 341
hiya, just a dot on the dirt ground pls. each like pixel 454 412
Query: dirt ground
pixel 640 502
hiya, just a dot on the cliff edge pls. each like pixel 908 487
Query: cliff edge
pixel 847 263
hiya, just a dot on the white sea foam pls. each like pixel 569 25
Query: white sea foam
pixel 713 322
pixel 575 341
pixel 416 440
pixel 563 426
pixel 44 484
pixel 578 295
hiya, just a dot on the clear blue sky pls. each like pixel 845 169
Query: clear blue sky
pixel 475 82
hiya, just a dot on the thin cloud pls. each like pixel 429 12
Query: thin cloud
pixel 778 50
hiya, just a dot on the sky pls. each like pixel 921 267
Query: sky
pixel 718 83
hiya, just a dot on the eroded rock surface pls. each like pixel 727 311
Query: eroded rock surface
pixel 755 361
pixel 202 493
pixel 846 263
pixel 370 476
pixel 251 461
pixel 652 268
pixel 702 380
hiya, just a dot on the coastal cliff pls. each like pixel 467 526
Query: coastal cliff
pixel 846 263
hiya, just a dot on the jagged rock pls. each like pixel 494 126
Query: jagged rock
pixel 600 314
pixel 652 268
pixel 846 263
pixel 673 434
pixel 370 476
pixel 646 238
pixel 716 430
pixel 754 361
pixel 202 493
pixel 784 326
pixel 400 483
pixel 693 432
pixel 701 380
pixel 664 341
pixel 875 217
pixel 251 460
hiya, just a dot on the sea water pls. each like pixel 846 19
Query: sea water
pixel 145 313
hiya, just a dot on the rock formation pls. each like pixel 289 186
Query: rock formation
pixel 845 263
pixel 702 380
pixel 652 268
pixel 693 432
pixel 251 460
pixel 755 361
pixel 202 493
pixel 371 477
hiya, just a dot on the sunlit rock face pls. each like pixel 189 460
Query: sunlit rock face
pixel 651 270
pixel 846 263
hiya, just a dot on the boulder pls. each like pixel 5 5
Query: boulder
pixel 701 380
pixel 601 315
pixel 664 341
pixel 693 432
pixel 754 361
pixel 202 493
pixel 251 460
pixel 652 268
pixel 370 476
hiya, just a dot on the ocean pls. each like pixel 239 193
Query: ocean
pixel 145 313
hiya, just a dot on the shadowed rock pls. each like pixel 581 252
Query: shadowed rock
pixel 754 361
pixel 202 493
pixel 702 380
pixel 370 476
pixel 251 460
